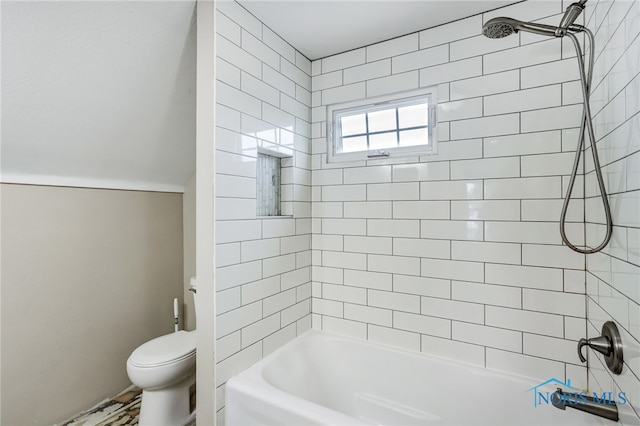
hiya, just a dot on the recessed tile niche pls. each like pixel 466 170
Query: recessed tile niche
pixel 269 185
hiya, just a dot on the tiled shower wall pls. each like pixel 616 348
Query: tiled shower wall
pixel 613 276
pixel 458 254
pixel 263 265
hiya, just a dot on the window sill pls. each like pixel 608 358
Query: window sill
pixel 286 216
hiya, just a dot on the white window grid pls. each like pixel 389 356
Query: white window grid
pixel 335 114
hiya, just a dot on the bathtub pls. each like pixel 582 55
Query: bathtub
pixel 326 379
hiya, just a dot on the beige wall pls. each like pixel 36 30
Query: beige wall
pixel 189 242
pixel 87 276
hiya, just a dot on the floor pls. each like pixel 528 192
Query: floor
pixel 118 411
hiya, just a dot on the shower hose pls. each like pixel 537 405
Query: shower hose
pixel 586 127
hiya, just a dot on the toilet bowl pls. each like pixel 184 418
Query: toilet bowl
pixel 164 368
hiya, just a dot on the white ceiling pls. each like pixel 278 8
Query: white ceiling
pixel 320 28
pixel 98 93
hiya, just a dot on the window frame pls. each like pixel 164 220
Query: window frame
pixel 379 103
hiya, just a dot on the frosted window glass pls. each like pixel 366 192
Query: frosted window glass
pixel 354 125
pixel 354 144
pixel 413 116
pixel 382 120
pixel 383 140
pixel 414 137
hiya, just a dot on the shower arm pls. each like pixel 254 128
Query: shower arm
pixel 547 30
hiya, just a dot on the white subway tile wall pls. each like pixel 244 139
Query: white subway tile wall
pixel 458 254
pixel 613 275
pixel 263 276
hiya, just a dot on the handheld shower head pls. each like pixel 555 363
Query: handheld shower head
pixel 502 26
pixel 499 28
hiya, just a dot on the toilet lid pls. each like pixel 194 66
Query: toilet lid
pixel 165 349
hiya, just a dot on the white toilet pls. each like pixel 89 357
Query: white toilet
pixel 165 369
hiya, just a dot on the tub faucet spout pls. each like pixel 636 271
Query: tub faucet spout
pixel 588 404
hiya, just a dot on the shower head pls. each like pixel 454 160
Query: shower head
pixel 501 27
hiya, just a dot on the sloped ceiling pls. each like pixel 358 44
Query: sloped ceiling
pixel 102 93
pixel 98 93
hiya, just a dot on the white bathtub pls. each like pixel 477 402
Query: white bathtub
pixel 325 379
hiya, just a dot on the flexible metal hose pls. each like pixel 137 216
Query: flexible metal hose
pixel 587 124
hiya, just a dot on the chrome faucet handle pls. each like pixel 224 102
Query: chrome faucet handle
pixel 608 344
pixel 581 343
pixel 601 344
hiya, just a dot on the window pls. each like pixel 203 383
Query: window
pixel 388 126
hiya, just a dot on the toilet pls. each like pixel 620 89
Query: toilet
pixel 165 369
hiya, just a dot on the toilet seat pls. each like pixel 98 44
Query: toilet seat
pixel 168 349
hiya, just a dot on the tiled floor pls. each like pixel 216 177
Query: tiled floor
pixel 119 411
